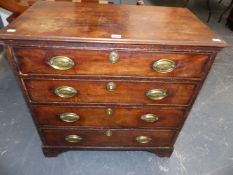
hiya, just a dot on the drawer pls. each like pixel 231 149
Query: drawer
pixel 105 117
pixel 81 91
pixel 94 62
pixel 108 138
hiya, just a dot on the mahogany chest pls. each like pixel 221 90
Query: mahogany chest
pixel 109 77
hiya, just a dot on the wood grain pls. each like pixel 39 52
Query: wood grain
pixel 122 117
pixel 77 22
pixel 83 32
pixel 95 62
pixel 98 138
pixel 96 92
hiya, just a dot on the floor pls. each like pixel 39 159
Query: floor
pixel 204 147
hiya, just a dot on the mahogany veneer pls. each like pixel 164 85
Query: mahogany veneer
pixel 95 92
pixel 122 117
pixel 33 61
pixel 100 77
pixel 98 138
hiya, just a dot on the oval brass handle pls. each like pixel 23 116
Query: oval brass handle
pixel 143 139
pixel 164 66
pixel 73 138
pixel 65 91
pixel 69 117
pixel 149 118
pixel 111 86
pixel 113 57
pixel 156 94
pixel 61 63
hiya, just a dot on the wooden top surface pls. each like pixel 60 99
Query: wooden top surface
pixel 77 22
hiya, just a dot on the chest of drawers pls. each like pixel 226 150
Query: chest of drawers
pixel 109 77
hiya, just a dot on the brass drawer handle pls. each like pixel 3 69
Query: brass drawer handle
pixel 65 92
pixel 150 118
pixel 143 139
pixel 164 66
pixel 156 94
pixel 61 63
pixel 111 86
pixel 73 138
pixel 113 57
pixel 69 117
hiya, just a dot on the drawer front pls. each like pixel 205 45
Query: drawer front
pixel 108 138
pixel 105 117
pixel 93 62
pixel 100 92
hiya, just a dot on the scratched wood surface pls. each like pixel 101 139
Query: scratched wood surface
pixel 111 23
pixel 78 31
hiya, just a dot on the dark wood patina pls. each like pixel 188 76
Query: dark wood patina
pixel 87 34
